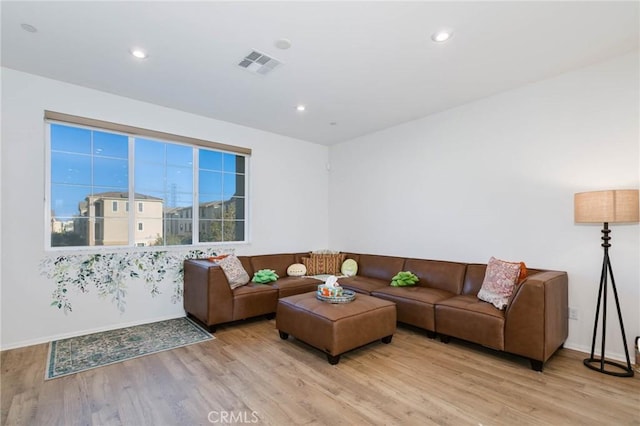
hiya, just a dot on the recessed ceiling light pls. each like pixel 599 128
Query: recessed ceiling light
pixel 441 36
pixel 29 28
pixel 139 53
pixel 301 107
pixel 283 43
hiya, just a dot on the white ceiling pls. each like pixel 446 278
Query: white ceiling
pixel 364 66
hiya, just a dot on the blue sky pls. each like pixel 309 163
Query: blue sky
pixel 85 161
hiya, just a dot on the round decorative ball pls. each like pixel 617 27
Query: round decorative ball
pixel 296 270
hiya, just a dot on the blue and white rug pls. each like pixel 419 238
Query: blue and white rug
pixel 69 356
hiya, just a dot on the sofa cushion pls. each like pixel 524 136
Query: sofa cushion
pixel 278 262
pixel 473 277
pixel 246 264
pixel 252 300
pixel 415 304
pixel 354 256
pixel 234 271
pixel 380 267
pixel 469 318
pixel 319 264
pixel 499 281
pixel 288 286
pixel 362 284
pixel 448 276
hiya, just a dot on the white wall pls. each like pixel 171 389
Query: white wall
pixel 496 178
pixel 286 216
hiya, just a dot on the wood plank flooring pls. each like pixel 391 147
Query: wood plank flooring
pixel 249 375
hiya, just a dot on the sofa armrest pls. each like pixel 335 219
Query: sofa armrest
pixel 536 320
pixel 207 294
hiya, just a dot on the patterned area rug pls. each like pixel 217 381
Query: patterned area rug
pixel 69 356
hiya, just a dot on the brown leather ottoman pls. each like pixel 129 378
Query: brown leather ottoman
pixel 336 328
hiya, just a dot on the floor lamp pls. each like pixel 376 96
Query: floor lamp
pixel 615 206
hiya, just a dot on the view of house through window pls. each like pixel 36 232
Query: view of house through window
pixel 96 174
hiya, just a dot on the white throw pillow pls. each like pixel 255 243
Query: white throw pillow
pixel 297 270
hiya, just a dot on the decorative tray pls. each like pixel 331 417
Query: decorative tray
pixel 347 296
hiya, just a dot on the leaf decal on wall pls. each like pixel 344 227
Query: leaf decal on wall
pixel 109 273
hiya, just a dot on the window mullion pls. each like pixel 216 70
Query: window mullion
pixel 131 195
pixel 195 210
pixel 247 197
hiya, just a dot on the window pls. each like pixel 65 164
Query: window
pixel 91 168
pixel 221 196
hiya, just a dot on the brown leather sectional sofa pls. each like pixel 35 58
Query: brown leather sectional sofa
pixel 534 324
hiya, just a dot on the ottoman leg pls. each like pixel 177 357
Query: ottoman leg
pixel 387 339
pixel 283 335
pixel 333 359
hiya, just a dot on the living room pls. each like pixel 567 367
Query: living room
pixel 492 176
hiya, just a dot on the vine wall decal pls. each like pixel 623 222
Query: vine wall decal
pixel 110 272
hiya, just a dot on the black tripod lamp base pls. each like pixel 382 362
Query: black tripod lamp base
pixel 598 365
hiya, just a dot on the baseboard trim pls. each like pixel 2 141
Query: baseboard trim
pixel 587 350
pixel 38 341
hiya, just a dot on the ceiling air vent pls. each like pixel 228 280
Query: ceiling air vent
pixel 259 63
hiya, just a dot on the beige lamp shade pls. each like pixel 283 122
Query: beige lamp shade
pixel 614 206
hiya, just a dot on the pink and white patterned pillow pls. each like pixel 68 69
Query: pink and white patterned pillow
pixel 234 271
pixel 499 281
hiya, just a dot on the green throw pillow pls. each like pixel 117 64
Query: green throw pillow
pixel 264 276
pixel 404 279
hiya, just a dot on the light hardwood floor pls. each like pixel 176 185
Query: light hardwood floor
pixel 249 375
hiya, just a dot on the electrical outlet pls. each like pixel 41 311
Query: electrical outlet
pixel 573 313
